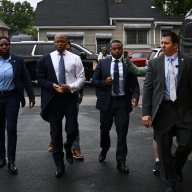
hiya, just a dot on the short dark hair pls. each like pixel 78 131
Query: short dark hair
pixel 173 35
pixel 3 37
pixel 116 41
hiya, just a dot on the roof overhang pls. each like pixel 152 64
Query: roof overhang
pixel 68 34
pixel 103 35
pixel 131 19
pixel 167 23
pixel 137 26
pixel 75 27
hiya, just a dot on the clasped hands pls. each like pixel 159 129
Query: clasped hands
pixel 109 82
pixel 63 88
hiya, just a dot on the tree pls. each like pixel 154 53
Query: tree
pixel 174 7
pixel 18 16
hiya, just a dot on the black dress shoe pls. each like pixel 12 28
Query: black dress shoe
pixel 179 176
pixel 69 154
pixel 156 168
pixel 59 172
pixel 170 189
pixel 2 162
pixel 12 168
pixel 102 155
pixel 122 168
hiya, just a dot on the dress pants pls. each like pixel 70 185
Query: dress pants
pixel 166 125
pixel 9 109
pixel 118 111
pixel 62 105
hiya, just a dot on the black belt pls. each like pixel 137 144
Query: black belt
pixel 6 93
pixel 167 101
pixel 118 97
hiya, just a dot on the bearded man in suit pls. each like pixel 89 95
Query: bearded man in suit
pixel 117 92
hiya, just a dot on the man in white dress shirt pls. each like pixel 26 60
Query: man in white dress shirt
pixel 61 76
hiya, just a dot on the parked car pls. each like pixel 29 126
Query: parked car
pixel 140 57
pixel 155 53
pixel 33 50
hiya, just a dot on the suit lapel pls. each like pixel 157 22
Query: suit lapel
pixel 108 67
pixel 180 70
pixel 50 66
pixel 13 63
pixel 161 72
pixel 124 72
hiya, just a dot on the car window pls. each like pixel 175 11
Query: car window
pixel 136 55
pixel 75 50
pixel 153 54
pixel 42 49
pixel 22 49
pixel 146 55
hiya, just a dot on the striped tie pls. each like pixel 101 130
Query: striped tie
pixel 172 81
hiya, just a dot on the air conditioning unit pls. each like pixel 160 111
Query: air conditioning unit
pixel 118 2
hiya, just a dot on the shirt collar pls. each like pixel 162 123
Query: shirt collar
pixel 1 58
pixel 120 59
pixel 58 53
pixel 173 57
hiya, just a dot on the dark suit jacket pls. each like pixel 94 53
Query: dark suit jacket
pixel 154 88
pixel 46 78
pixel 21 78
pixel 103 91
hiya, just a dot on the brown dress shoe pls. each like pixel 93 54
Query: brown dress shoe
pixel 77 154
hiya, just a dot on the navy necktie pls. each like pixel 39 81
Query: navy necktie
pixel 61 79
pixel 116 78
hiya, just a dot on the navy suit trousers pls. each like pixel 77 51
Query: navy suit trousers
pixel 120 113
pixel 62 105
pixel 9 108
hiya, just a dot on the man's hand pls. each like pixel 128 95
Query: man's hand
pixel 65 88
pixel 134 102
pixel 61 88
pixel 31 103
pixel 109 81
pixel 146 120
pixel 57 88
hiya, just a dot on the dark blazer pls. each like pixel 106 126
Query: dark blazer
pixel 21 78
pixel 46 78
pixel 154 88
pixel 103 91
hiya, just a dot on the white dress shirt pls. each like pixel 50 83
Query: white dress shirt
pixel 121 80
pixel 167 82
pixel 74 70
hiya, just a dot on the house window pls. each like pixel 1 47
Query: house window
pixel 103 43
pixel 103 40
pixel 136 36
